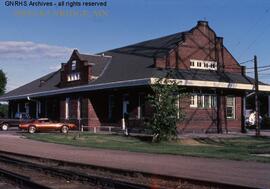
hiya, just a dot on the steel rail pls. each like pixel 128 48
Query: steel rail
pixel 21 180
pixel 72 175
pixel 98 180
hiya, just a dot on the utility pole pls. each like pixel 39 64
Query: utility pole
pixel 257 108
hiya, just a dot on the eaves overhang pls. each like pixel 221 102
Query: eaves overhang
pixel 139 82
pixel 82 88
pixel 215 84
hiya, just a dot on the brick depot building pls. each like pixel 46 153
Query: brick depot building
pixel 97 90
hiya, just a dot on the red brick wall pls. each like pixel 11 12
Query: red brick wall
pixel 200 44
pixel 205 120
pixel 84 70
pixel 92 115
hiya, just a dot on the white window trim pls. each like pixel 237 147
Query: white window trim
pixel 195 105
pixel 202 95
pixel 234 108
pixel 73 65
pixel 195 101
pixel 73 77
pixel 203 64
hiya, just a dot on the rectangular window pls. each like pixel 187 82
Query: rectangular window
pixel 203 64
pixel 203 101
pixel 200 101
pixel 207 101
pixel 73 65
pixel 73 77
pixel 193 100
pixel 230 107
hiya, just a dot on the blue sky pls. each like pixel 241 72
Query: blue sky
pixel 31 46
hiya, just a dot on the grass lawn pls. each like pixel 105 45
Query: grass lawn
pixel 242 148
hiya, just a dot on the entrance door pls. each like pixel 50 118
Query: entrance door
pixel 125 110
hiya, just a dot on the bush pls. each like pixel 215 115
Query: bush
pixel 166 93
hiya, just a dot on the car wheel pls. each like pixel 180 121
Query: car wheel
pixel 4 127
pixel 32 129
pixel 64 129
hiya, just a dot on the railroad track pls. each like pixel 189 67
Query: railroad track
pixel 20 180
pixel 91 176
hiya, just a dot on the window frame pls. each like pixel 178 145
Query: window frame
pixel 212 100
pixel 231 106
pixel 73 65
pixel 73 77
pixel 203 64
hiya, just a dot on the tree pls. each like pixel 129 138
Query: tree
pixel 166 112
pixel 3 82
pixel 3 110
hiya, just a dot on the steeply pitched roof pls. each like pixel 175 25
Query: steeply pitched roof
pixel 98 62
pixel 152 48
pixel 131 63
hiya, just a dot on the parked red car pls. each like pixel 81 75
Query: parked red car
pixel 44 124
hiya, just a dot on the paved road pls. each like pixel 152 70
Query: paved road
pixel 228 171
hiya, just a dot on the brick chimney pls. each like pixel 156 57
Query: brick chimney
pixel 243 70
pixel 202 23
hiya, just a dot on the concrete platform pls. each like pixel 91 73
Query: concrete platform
pixel 227 171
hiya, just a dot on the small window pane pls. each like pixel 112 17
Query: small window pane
pixel 192 100
pixel 206 101
pixel 200 101
pixel 230 112
pixel 230 107
pixel 73 65
pixel 214 101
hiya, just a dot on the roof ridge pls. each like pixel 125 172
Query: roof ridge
pixel 147 41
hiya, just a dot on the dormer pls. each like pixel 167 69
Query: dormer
pixel 81 68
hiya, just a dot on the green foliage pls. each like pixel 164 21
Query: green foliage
pixel 3 82
pixel 167 111
pixel 3 110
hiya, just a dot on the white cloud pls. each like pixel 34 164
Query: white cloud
pixel 28 49
pixel 55 67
